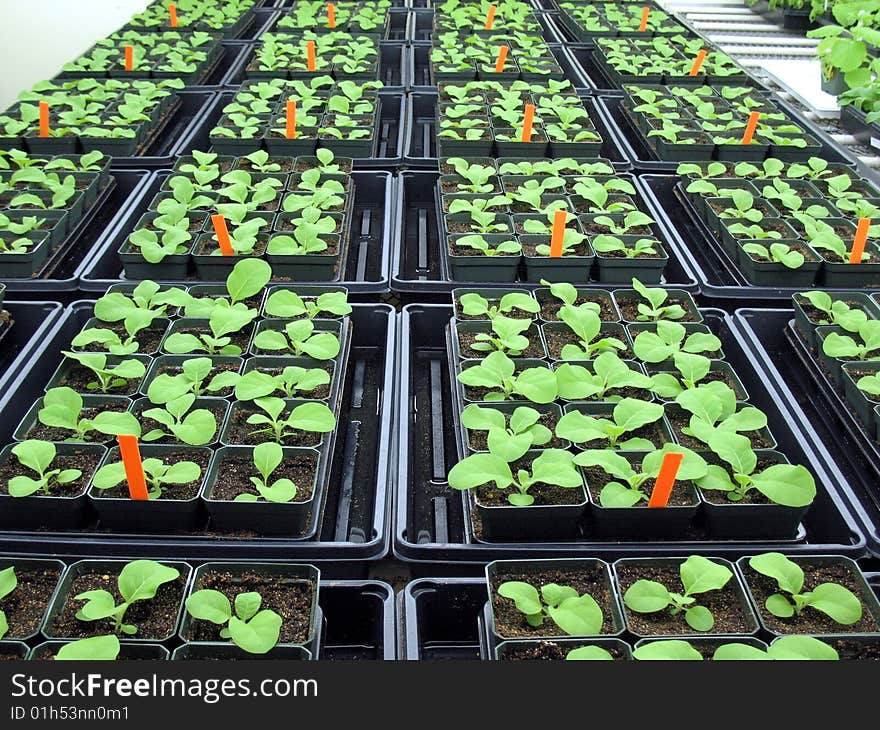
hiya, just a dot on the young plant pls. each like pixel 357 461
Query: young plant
pixel 786 484
pixel 698 575
pixel 475 305
pixel 249 628
pixel 138 581
pixel 630 487
pixel 476 176
pixel 192 380
pixel 836 601
pixel 107 377
pixel 287 304
pixel 506 336
pixel 299 338
pixel 267 458
pixel 147 296
pixel 479 243
pixel 551 466
pixel 849 348
pixel 94 648
pixel 247 279
pixel 785 648
pixel 62 408
pixel 610 373
pixel 691 370
pixel 667 650
pixel 574 614
pixel 309 417
pixel 290 382
pixel 496 373
pixel 713 407
pixel 222 322
pixel 512 439
pixel 585 324
pixel 779 253
pixel 38 456
pixel 177 421
pixel 671 338
pixel 651 308
pixel 629 415
pixel 605 244
pixel 159 475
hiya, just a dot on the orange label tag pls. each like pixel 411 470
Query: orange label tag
pixel 331 15
pixel 290 126
pixel 751 127
pixel 44 118
pixel 172 12
pixel 665 480
pixel 310 55
pixel 701 56
pixel 502 59
pixel 490 17
pixel 527 123
pixel 134 468
pixel 129 58
pixel 643 26
pixel 858 249
pixel 558 234
pixel 222 235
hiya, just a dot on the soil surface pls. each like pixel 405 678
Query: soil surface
pixel 27 604
pixel 596 478
pixel 509 622
pixel 557 338
pixel 85 460
pixel 155 618
pixel 810 621
pixel 535 350
pixel 550 651
pixel 235 476
pixel 725 605
pixel 607 311
pixel 78 378
pixel 290 600
pixel 629 308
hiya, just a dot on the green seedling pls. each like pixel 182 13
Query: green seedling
pixel 505 336
pixel 610 373
pixel 837 602
pixel 287 304
pixel 62 408
pixel 38 456
pixel 508 439
pixel 605 244
pixel 299 338
pixel 290 382
pixel 307 417
pixel 107 377
pixel 713 408
pixel 691 370
pixel 836 312
pixel 147 296
pixel 779 253
pixel 698 575
pixel 479 243
pixel 671 338
pixel 476 305
pixel 845 347
pixel 267 458
pixel 667 650
pixel 249 628
pixel 222 322
pixel 574 614
pixel 628 415
pixel 496 373
pixel 158 474
pixel 785 648
pixel 94 648
pixel 179 422
pixel 567 294
pixel 585 324
pixel 8 583
pixel 476 176
pixel 192 380
pixel 139 580
pixel 589 653
pixel 652 308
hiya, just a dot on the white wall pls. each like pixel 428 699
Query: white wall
pixel 38 36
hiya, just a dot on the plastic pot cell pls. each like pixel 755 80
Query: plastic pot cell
pixel 558 649
pixel 807 317
pixel 127 651
pixel 222 651
pixel 64 506
pixel 26 606
pixel 31 428
pixel 862 402
pixel 776 274
pixel 289 589
pixel 465 335
pixel 550 304
pixel 71 374
pixel 628 301
pixel 156 619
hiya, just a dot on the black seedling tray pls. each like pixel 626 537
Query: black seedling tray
pixel 68 262
pixel 30 323
pixel 721 281
pixel 849 455
pixel 430 525
pixel 421 25
pixel 419 254
pixel 635 146
pixel 186 129
pixel 420 148
pixel 396 26
pixel 367 261
pixel 558 23
pixel 354 525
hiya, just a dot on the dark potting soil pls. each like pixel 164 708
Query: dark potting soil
pixel 817 316
pixel 235 474
pixel 511 623
pixel 680 419
pixel 169 491
pixel 79 378
pixel 148 424
pixel 533 352
pixel 477 440
pixel 493 303
pixel 629 308
pixel 607 312
pixel 653 432
pixel 344 167
pixel 241 433
pixel 855 650
pixel 728 612
pixel 322 392
pixel 596 479
pixel 9 655
pixel 218 368
pixel 292 600
pixel 240 339
pixel 50 433
pixel 551 651
pixel 456 250
pixel 148 339
pixel 622 255
pixel 810 621
pixel 592 228
pixel 85 461
pixel 488 495
pixel 26 605
pixel 155 618
pixel 557 338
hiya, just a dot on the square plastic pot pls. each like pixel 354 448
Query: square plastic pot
pixel 22 431
pixel 862 403
pixel 22 565
pixel 622 270
pixel 775 274
pixel 173 267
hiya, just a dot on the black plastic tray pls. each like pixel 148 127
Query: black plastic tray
pixel 356 515
pixel 187 129
pixel 422 19
pixel 420 149
pixel 430 525
pixel 637 151
pixel 419 261
pixel 867 133
pixel 396 26
pixel 829 428
pixel 720 279
pixel 557 23
pixel 30 323
pixel 368 259
pixel 70 260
